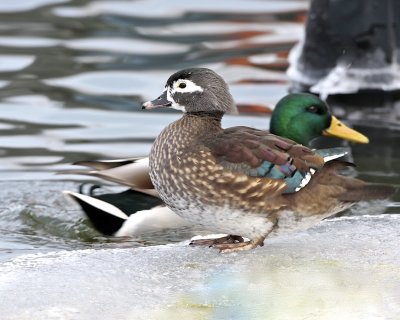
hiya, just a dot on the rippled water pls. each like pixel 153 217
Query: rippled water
pixel 73 77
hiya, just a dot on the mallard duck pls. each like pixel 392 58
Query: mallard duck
pixel 300 117
pixel 242 181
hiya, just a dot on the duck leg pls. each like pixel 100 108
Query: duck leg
pixel 240 246
pixel 228 239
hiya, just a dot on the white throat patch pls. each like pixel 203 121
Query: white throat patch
pixel 174 105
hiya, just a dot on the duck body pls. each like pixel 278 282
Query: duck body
pixel 175 170
pixel 193 174
pixel 236 180
pixel 178 174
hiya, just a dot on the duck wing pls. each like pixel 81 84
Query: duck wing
pixel 258 153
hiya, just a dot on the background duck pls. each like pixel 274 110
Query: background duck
pixel 242 181
pixel 301 117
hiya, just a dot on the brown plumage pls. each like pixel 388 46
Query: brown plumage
pixel 240 180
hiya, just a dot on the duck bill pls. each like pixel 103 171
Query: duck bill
pixel 339 130
pixel 161 102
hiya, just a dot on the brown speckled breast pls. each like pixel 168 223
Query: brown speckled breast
pixel 192 183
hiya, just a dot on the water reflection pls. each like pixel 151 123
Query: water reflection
pixel 177 8
pixel 10 63
pixel 26 5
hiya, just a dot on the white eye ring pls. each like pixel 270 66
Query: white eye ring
pixel 185 86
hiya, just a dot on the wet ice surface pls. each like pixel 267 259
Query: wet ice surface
pixel 345 268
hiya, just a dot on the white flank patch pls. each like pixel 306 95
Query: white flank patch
pixel 305 181
pixel 154 219
pixel 97 203
pixel 309 174
pixel 335 156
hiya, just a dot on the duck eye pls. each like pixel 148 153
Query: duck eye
pixel 313 109
pixel 182 85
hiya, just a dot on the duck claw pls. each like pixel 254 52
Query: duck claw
pixel 229 239
pixel 239 246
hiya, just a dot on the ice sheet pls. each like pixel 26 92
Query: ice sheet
pixel 344 268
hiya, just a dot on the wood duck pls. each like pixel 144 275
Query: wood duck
pixel 242 181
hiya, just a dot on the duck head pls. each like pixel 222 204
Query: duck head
pixel 303 117
pixel 195 90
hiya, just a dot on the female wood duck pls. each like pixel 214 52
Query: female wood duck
pixel 242 181
pixel 300 117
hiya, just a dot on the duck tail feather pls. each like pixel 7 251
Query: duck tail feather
pixel 105 217
pixel 367 192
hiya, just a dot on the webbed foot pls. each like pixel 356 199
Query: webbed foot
pixel 228 239
pixel 239 246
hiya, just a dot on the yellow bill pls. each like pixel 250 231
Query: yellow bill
pixel 339 130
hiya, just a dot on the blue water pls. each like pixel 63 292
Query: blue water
pixel 73 75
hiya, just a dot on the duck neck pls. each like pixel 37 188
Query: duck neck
pixel 202 123
pixel 192 127
pixel 184 133
pixel 206 115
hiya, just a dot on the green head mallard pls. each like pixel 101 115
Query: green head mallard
pixel 303 117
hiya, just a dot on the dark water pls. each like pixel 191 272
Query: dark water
pixel 73 77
